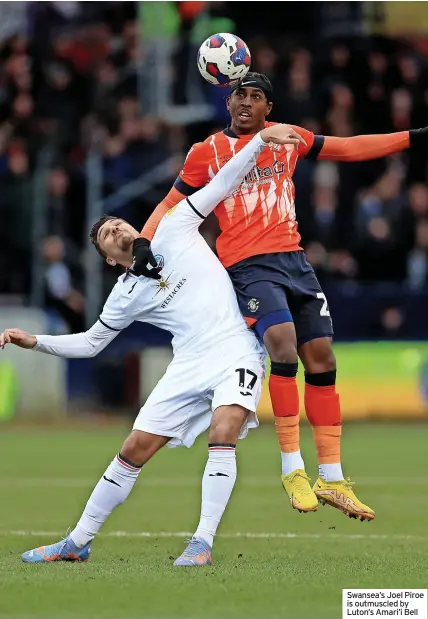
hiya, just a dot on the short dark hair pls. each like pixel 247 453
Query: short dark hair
pixel 93 235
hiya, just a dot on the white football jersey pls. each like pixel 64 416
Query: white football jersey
pixel 194 299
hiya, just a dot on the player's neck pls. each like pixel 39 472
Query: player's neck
pixel 126 261
pixel 246 131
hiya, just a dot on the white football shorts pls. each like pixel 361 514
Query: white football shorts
pixel 182 403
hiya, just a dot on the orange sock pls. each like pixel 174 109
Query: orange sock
pixel 322 406
pixel 288 433
pixel 285 403
pixel 327 442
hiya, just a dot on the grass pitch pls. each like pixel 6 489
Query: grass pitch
pixel 270 561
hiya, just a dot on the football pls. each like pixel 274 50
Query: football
pixel 223 59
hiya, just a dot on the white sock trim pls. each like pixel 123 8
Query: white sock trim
pixel 291 461
pixel 331 472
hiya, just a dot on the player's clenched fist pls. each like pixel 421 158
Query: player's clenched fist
pixel 18 337
pixel 282 134
pixel 142 256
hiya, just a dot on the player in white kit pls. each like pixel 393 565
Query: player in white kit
pixel 216 374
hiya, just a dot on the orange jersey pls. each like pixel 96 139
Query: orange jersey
pixel 260 216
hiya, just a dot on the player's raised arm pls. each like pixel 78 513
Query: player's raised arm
pixel 233 173
pixel 87 344
pixel 366 147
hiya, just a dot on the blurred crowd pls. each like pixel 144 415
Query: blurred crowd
pixel 69 80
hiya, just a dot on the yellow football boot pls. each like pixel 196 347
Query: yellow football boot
pixel 298 488
pixel 339 494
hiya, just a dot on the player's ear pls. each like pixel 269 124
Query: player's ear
pixel 269 108
pixel 111 262
pixel 228 103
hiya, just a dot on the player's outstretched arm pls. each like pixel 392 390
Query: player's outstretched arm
pixel 18 337
pixel 233 173
pixel 366 147
pixel 87 344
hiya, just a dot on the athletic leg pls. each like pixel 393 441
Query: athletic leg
pixel 220 470
pixel 280 341
pixel 322 403
pixel 237 383
pixel 116 483
pixel 112 489
pixel 265 307
pixel 217 482
pixel 323 410
pixel 261 286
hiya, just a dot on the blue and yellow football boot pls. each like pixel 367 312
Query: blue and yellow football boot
pixel 65 550
pixel 197 553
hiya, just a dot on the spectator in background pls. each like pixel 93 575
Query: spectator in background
pixel 326 181
pixel 128 107
pixel 417 262
pixel 338 69
pixel 374 89
pixel 15 212
pixel 66 204
pixel 416 208
pixel 418 200
pixel 145 143
pixel 60 294
pixel 58 101
pixel 380 248
pixel 22 116
pixel 105 88
pixel 265 60
pixel 391 324
pixel 401 109
pixel 4 159
pixel 296 101
pixel 58 185
pixel 410 78
pixel 340 115
pixel 117 164
pixel 330 262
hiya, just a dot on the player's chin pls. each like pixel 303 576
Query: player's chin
pixel 126 241
pixel 246 127
pixel 247 123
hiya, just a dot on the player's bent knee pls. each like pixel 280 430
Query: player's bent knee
pixel 226 424
pixel 281 343
pixel 317 356
pixel 140 446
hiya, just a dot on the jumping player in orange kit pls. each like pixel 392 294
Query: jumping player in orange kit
pixel 277 289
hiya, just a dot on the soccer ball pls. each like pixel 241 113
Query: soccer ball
pixel 223 59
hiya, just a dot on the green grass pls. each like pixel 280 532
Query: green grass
pixel 46 477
